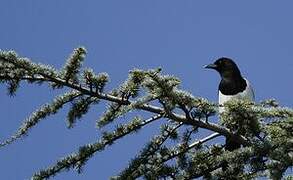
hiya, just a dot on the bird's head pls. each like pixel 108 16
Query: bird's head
pixel 226 67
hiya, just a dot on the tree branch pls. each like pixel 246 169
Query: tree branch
pixel 131 170
pixel 78 159
pixel 192 145
pixel 41 113
pixel 147 107
pixel 182 151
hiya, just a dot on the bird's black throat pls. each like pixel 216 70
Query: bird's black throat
pixel 232 86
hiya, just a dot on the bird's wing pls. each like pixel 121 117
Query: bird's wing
pixel 249 92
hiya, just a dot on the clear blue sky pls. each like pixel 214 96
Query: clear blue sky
pixel 179 36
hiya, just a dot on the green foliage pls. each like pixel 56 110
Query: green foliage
pixel 129 88
pixel 114 111
pixel 95 82
pixel 78 160
pixel 290 177
pixel 141 162
pixel 13 69
pixel 241 118
pixel 176 152
pixel 280 136
pixel 79 107
pixel 43 112
pixel 73 64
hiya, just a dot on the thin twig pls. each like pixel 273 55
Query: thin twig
pixel 149 153
pixel 191 146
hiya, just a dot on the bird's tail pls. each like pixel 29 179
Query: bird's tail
pixel 230 146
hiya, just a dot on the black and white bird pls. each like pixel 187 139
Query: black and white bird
pixel 232 86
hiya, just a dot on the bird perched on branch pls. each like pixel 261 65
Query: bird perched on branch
pixel 232 86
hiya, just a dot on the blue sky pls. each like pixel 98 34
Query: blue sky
pixel 179 36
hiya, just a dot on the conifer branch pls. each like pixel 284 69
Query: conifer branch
pixel 176 152
pixel 73 64
pixel 78 108
pixel 264 130
pixel 133 170
pixel 77 160
pixel 43 112
pixel 51 76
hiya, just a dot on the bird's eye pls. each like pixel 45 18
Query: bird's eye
pixel 223 63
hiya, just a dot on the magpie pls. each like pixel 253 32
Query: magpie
pixel 232 86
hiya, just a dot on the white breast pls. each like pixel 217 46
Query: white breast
pixel 247 94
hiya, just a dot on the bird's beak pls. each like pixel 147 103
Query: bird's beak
pixel 211 66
